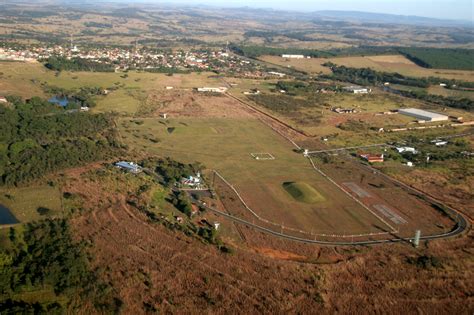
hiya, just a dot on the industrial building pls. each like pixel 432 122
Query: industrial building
pixel 293 56
pixel 129 166
pixel 212 90
pixel 357 89
pixel 422 114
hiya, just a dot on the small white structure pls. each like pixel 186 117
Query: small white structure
pixel 410 164
pixel 84 109
pixel 293 56
pixel 422 114
pixel 192 181
pixel 212 89
pixel 164 115
pixel 357 89
pixel 252 92
pixel 129 166
pixel 443 84
pixel 406 149
pixel 440 143
pixel 169 87
pixel 278 74
pixel 217 225
pixel 3 99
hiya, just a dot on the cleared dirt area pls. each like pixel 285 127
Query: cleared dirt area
pixel 404 211
pixel 188 103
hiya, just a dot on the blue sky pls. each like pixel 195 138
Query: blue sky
pixel 445 9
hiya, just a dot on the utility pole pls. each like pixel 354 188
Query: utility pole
pixel 416 240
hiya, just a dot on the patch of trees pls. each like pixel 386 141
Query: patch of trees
pixel 83 96
pixel 98 25
pixel 37 138
pixel 461 103
pixel 166 70
pixel 45 256
pixel 172 171
pixel 256 51
pixel 77 64
pixel 367 76
pixel 181 202
pixel 441 58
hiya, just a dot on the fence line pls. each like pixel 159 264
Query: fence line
pixel 352 197
pixel 289 228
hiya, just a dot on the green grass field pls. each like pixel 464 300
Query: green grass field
pixel 303 192
pixel 24 202
pixel 226 146
pixel 26 80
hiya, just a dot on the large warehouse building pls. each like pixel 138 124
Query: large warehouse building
pixel 422 114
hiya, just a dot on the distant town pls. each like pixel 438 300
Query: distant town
pixel 124 59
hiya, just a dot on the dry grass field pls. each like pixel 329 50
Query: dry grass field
pixel 387 63
pixel 155 269
pixel 226 146
pixel 358 128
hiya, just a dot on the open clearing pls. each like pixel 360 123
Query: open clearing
pixel 24 202
pixel 27 80
pixel 260 184
pixel 387 63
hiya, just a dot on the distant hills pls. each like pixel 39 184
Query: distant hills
pixel 367 17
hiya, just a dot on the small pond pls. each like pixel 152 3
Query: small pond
pixel 59 100
pixel 6 217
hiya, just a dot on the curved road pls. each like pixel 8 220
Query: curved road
pixel 461 226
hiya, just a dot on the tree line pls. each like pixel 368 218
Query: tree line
pixel 42 256
pixel 57 63
pixel 367 76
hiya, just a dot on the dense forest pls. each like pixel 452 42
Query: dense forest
pixel 77 64
pixel 442 58
pixel 43 258
pixel 37 137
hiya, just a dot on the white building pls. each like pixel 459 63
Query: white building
pixel 278 74
pixel 406 149
pixel 129 166
pixel 356 89
pixel 212 89
pixel 3 99
pixel 293 56
pixel 422 114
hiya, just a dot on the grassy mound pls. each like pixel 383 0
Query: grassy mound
pixel 303 192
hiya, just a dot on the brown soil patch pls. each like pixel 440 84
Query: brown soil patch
pixel 279 254
pixel 185 103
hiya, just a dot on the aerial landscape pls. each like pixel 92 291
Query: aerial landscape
pixel 314 157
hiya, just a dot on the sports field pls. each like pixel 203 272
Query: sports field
pixel 310 203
